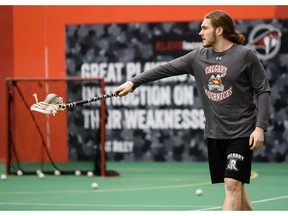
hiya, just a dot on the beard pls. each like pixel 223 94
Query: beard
pixel 210 42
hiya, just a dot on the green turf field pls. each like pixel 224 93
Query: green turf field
pixel 142 187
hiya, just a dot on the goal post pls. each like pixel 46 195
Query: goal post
pixel 61 142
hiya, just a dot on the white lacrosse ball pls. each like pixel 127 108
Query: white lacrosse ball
pixel 3 177
pixel 53 99
pixel 94 185
pixel 57 172
pixel 199 192
pixel 41 175
pixel 19 173
pixel 90 174
pixel 77 172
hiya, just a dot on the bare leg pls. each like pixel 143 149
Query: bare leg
pixel 245 204
pixel 233 194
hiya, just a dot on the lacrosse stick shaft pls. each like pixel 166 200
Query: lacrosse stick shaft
pixel 90 100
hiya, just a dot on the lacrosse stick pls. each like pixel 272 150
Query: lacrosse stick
pixel 54 103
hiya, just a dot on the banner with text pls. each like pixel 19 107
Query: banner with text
pixel 164 120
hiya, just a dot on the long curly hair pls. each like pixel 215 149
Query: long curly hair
pixel 222 19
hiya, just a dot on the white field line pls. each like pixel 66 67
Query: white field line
pixel 257 201
pixel 202 208
pixel 101 205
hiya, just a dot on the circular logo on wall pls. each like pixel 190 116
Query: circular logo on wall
pixel 265 39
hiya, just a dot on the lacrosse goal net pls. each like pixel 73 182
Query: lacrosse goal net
pixel 73 140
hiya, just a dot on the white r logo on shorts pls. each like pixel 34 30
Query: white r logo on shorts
pixel 232 165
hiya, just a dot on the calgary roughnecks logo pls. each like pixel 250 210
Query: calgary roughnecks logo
pixel 216 89
pixel 265 40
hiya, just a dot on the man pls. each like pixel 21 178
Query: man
pixel 235 95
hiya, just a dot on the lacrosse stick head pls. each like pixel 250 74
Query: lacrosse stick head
pixel 50 105
pixel 53 99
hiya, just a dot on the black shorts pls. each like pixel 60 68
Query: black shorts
pixel 229 158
